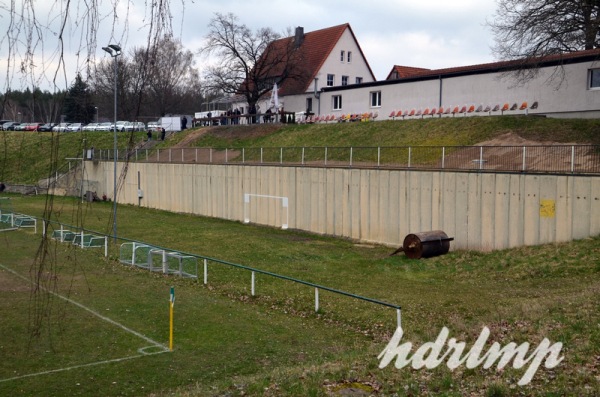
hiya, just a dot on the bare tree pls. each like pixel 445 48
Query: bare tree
pixel 173 77
pixel 526 31
pixel 249 63
pixel 38 41
pixel 151 82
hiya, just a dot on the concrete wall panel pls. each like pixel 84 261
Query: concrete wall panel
pixel 482 211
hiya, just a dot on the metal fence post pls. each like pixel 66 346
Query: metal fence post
pixel 351 154
pixel 443 157
pixel 253 280
pixel 524 159
pixel 280 155
pixel 378 156
pixel 261 155
pixel 325 155
pixel 572 159
pixel 205 271
pixel 303 155
pixel 480 157
pixel 316 299
pixel 409 155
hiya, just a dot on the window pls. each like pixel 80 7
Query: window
pixel 349 56
pixel 309 105
pixel 337 102
pixel 594 79
pixel 345 80
pixel 376 99
pixel 330 80
pixel 342 56
pixel 358 80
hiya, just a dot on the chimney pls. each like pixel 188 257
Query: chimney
pixel 299 36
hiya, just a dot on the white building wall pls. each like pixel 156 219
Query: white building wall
pixel 333 65
pixel 571 98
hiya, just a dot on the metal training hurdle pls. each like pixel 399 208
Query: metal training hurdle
pixel 158 259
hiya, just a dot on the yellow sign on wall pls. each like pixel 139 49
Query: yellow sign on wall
pixel 547 208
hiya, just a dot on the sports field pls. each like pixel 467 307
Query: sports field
pixel 77 323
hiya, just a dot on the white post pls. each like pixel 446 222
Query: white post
pixel 253 279
pixel 82 238
pixel 196 155
pixel 281 155
pixel 261 155
pixel 303 155
pixel 243 155
pixel 524 157
pixel 316 299
pixel 205 271
pixel 351 154
pixel 44 227
pixel 399 319
pixel 105 246
pixel 170 155
pixel 378 156
pixel 182 156
pixel 443 156
pixel 133 254
pixel 62 234
pixel 325 155
pixel 480 157
pixel 210 155
pixel 572 159
pixel 164 258
pixel 409 155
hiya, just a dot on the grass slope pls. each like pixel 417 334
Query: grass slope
pixel 29 157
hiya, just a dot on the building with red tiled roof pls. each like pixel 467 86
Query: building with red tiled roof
pixel 329 57
pixel 400 72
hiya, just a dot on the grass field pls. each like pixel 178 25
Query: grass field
pixel 228 343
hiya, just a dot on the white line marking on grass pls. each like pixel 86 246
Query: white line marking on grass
pixel 53 371
pixel 142 351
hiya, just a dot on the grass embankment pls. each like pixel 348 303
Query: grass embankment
pixel 229 343
pixel 30 157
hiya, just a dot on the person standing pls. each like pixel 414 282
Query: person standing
pixel 162 134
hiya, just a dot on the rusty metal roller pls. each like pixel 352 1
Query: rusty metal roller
pixel 425 244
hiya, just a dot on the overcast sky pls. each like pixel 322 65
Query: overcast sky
pixel 430 34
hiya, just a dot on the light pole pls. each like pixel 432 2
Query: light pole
pixel 114 51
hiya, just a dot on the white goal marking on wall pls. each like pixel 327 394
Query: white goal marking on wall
pixel 284 204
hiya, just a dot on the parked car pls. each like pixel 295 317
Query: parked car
pixel 19 127
pixel 90 127
pixel 104 126
pixel 121 125
pixel 134 126
pixel 153 126
pixel 46 127
pixel 32 126
pixel 74 127
pixel 8 126
pixel 62 127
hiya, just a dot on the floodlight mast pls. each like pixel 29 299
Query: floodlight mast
pixel 114 51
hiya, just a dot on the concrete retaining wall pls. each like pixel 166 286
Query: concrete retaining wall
pixel 482 211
